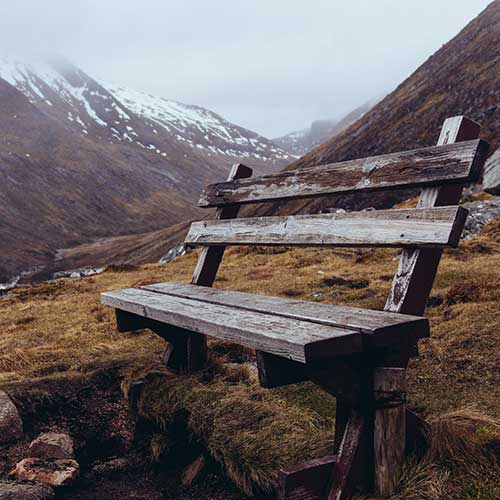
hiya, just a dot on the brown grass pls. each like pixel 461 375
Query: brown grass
pixel 59 330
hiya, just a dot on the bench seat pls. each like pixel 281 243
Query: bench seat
pixel 303 331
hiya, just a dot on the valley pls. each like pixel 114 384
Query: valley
pixel 80 161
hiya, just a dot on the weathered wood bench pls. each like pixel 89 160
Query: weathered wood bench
pixel 358 355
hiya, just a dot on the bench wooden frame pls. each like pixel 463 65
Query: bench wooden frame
pixel 358 356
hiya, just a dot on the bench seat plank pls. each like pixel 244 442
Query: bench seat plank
pixel 432 227
pixel 289 338
pixel 385 327
pixel 298 336
pixel 455 163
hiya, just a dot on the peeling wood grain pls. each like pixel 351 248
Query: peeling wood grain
pixel 434 227
pixel 491 178
pixel 210 257
pixel 389 435
pixel 306 481
pixel 456 163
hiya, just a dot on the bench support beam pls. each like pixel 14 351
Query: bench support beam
pixel 306 481
pixel 210 258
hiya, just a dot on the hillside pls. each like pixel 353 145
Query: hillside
pixel 61 356
pixel 461 78
pixel 81 162
pixel 302 141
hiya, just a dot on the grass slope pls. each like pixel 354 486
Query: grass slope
pixel 59 331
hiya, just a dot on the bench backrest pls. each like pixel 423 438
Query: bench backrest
pixel 441 171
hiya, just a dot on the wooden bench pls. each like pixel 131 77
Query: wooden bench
pixel 358 355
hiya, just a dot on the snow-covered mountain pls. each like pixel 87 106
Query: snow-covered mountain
pixel 81 160
pixel 118 114
pixel 199 128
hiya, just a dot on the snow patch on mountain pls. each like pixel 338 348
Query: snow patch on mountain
pixel 117 114
pixel 197 126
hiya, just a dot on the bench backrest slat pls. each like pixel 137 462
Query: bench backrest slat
pixel 437 165
pixel 433 227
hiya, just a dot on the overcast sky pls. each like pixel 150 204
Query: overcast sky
pixel 270 65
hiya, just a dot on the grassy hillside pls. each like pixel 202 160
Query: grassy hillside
pixel 58 331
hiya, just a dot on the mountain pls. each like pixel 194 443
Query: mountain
pixel 461 78
pixel 302 141
pixel 80 160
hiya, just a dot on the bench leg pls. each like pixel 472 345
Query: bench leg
pixel 389 428
pixel 350 471
pixel 187 352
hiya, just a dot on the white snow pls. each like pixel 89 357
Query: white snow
pixel 193 126
pixel 192 122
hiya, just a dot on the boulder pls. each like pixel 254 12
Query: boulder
pixel 53 472
pixel 52 445
pixel 491 176
pixel 11 425
pixel 25 491
pixel 480 213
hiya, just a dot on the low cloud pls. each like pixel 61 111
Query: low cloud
pixel 270 66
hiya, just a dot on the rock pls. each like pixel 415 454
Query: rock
pixel 111 467
pixel 24 491
pixel 480 213
pixel 79 273
pixel 52 445
pixel 173 253
pixel 52 471
pixel 193 471
pixel 11 425
pixel 491 177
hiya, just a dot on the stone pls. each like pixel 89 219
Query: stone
pixel 491 177
pixel 174 253
pixel 52 445
pixel 11 425
pixel 53 472
pixel 24 491
pixel 480 213
pixel 193 471
pixel 111 467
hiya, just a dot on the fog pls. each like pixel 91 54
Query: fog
pixel 272 66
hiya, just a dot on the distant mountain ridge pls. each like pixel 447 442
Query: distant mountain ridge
pixel 461 78
pixel 302 141
pixel 81 161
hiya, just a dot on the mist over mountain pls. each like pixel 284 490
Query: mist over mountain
pixel 462 78
pixel 302 141
pixel 81 160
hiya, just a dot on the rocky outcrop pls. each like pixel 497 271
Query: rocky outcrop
pixel 173 253
pixel 52 445
pixel 480 213
pixel 52 472
pixel 24 491
pixel 11 425
pixel 491 178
